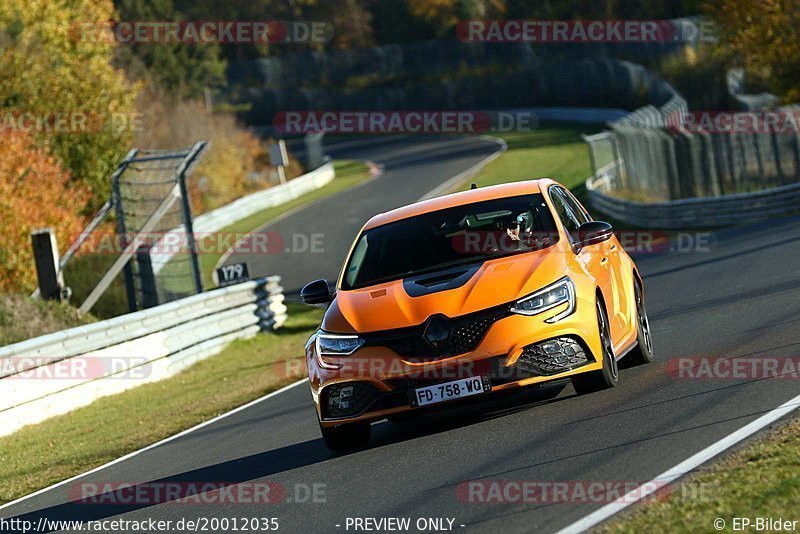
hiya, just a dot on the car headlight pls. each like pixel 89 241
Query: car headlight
pixel 547 298
pixel 336 345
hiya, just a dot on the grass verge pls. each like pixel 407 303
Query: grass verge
pixel 39 455
pixel 22 318
pixel 554 150
pixel 760 480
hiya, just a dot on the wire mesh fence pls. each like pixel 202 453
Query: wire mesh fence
pixel 141 198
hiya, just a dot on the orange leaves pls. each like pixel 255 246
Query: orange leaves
pixel 34 192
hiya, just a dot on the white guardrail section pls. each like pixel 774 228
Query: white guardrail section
pixel 53 374
pixel 244 207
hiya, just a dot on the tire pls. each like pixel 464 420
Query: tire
pixel 643 351
pixel 608 376
pixel 347 437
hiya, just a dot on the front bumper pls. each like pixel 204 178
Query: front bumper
pixel 514 351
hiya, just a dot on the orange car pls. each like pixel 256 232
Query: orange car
pixel 467 295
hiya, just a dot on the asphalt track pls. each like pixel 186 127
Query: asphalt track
pixel 412 167
pixel 740 296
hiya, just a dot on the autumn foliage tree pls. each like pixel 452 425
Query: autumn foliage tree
pixel 35 192
pixel 49 65
pixel 765 36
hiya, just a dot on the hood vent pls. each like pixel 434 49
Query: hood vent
pixel 425 284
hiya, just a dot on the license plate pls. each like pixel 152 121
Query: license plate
pixel 466 387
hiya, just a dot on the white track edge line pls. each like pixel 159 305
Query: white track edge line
pixel 682 469
pixel 158 443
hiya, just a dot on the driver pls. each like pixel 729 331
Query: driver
pixel 519 232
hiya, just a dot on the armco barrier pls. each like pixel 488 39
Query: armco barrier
pixel 128 351
pixel 701 212
pixel 244 207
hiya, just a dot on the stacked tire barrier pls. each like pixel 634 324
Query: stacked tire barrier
pixel 53 374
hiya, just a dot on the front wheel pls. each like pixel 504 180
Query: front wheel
pixel 346 437
pixel 608 376
pixel 643 351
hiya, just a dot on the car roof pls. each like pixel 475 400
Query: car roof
pixel 511 189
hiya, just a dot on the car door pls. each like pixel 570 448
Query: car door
pixel 611 262
pixel 592 257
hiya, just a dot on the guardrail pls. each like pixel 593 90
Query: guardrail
pixel 53 374
pixel 701 212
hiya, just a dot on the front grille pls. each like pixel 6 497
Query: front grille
pixel 347 399
pixel 553 356
pixel 466 337
pixel 465 333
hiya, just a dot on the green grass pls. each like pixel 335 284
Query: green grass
pixel 760 480
pixel 555 150
pixel 82 275
pixel 42 454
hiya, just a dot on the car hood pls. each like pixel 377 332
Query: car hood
pixel 388 306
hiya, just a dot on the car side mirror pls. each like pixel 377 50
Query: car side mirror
pixel 316 292
pixel 592 232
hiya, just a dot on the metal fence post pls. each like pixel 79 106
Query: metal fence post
pixel 621 179
pixel 186 208
pixel 147 277
pixel 45 255
pixel 116 200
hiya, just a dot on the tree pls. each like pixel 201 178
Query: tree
pixel 34 192
pixel 766 37
pixel 50 69
pixel 183 69
pixel 444 15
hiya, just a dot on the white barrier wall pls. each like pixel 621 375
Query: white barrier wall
pixel 56 373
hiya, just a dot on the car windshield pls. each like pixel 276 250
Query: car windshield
pixel 446 238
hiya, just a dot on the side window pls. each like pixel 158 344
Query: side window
pixel 356 261
pixel 565 213
pixel 580 213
